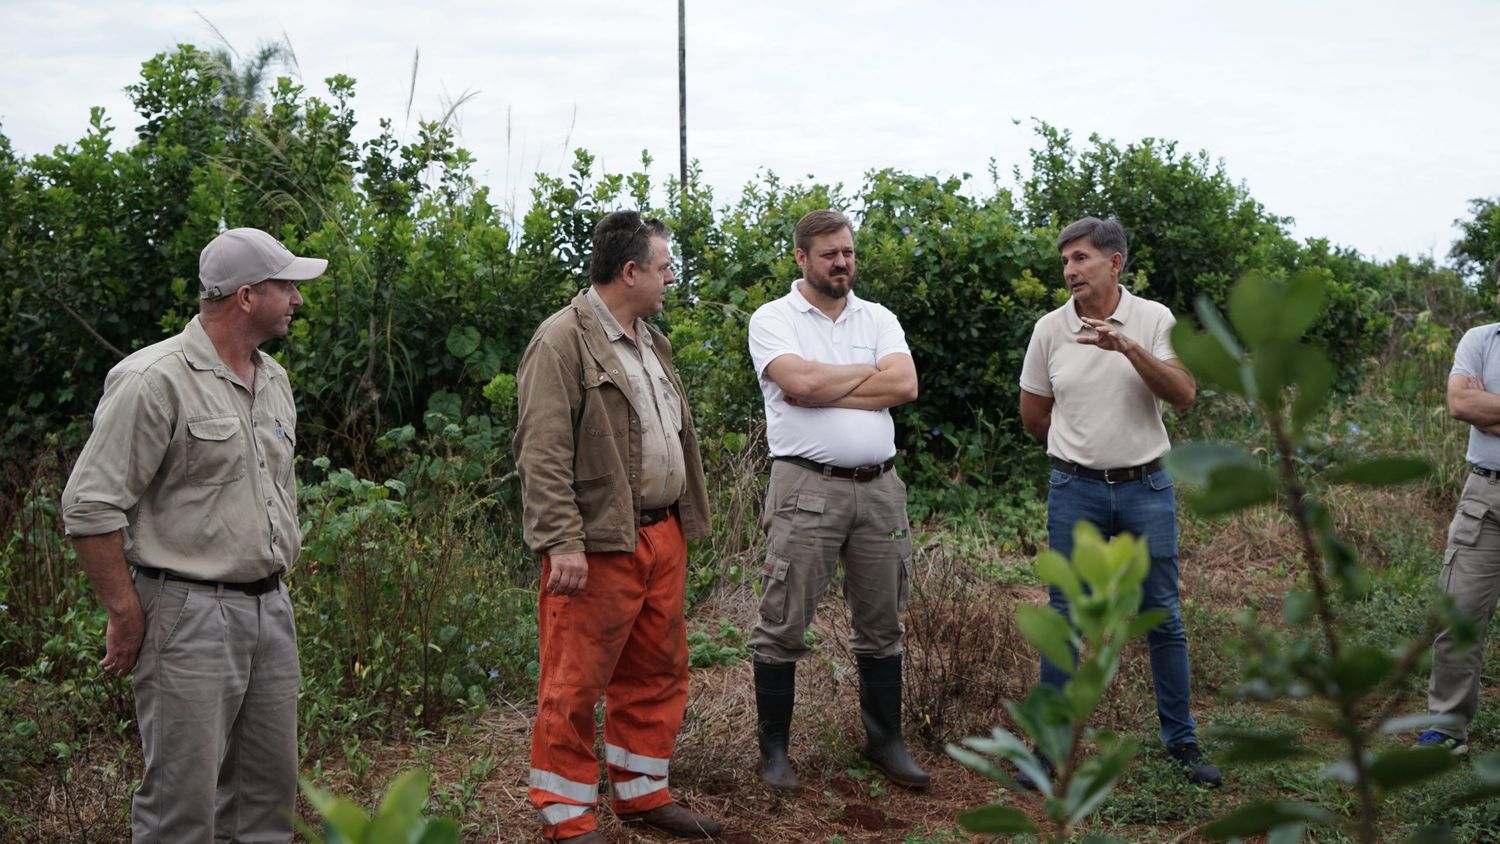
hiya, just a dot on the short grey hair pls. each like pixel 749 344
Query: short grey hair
pixel 1107 236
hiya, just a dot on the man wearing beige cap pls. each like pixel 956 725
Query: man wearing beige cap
pixel 187 479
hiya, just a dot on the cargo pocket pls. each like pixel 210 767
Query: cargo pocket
pixel 773 588
pixel 1445 576
pixel 215 455
pixel 903 592
pixel 1467 524
pixel 798 523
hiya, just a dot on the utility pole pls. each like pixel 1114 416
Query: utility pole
pixel 682 184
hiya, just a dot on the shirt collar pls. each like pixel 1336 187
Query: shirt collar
pixel 200 353
pixel 611 326
pixel 1124 309
pixel 851 302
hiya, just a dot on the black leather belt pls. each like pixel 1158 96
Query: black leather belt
pixel 254 587
pixel 858 473
pixel 1109 476
pixel 659 514
pixel 1483 472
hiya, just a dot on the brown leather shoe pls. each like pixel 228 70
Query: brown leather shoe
pixel 590 837
pixel 675 820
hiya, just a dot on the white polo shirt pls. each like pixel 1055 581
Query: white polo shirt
pixel 863 334
pixel 1103 416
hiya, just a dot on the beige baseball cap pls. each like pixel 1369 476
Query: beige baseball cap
pixel 249 256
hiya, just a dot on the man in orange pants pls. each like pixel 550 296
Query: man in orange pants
pixel 612 487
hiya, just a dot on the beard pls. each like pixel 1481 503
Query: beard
pixel 834 286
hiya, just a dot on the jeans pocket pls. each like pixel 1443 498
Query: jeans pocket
pixel 1159 480
pixel 1059 478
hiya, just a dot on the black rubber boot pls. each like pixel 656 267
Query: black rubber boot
pixel 880 709
pixel 775 693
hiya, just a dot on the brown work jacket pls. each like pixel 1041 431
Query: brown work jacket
pixel 578 440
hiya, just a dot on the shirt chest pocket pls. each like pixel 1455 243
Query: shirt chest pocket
pixel 671 406
pixel 606 411
pixel 215 450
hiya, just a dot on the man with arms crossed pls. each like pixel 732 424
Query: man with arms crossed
pixel 1095 374
pixel 831 366
pixel 612 487
pixel 188 478
pixel 1471 565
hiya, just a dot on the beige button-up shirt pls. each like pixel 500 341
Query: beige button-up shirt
pixel 193 465
pixel 662 474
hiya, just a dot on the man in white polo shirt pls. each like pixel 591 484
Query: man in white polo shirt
pixel 831 366
pixel 1092 384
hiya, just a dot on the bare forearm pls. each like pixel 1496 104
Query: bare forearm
pixel 1476 407
pixel 885 389
pixel 1172 384
pixel 817 383
pixel 1039 426
pixel 103 560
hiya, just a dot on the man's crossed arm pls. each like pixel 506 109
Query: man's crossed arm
pixel 890 382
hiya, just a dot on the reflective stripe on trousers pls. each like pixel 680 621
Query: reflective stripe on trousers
pixel 622 637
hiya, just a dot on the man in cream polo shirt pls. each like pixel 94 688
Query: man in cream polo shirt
pixel 1095 375
pixel 831 366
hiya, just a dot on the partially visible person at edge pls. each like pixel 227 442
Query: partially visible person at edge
pixel 831 365
pixel 1471 565
pixel 187 478
pixel 1095 375
pixel 612 487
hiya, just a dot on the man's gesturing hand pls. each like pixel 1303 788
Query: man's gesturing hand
pixel 569 573
pixel 1105 336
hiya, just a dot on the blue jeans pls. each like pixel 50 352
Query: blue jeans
pixel 1145 507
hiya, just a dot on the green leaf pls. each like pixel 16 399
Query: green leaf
pixel 1233 488
pixel 1301 304
pixel 405 798
pixel 1207 359
pixel 443 831
pixel 1192 463
pixel 1423 721
pixel 1085 689
pixel 1397 768
pixel 1314 380
pixel 1214 323
pixel 1360 669
pixel 463 340
pixel 1054 570
pixel 1251 747
pixel 387 828
pixel 1145 623
pixel 1431 835
pixel 1254 308
pixel 1382 472
pixel 1261 816
pixel 1096 777
pixel 996 819
pixel 1048 632
pixel 1288 833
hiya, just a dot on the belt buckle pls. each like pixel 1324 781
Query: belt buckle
pixel 1109 480
pixel 866 473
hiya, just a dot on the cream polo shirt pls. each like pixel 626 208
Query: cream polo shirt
pixel 663 476
pixel 1103 415
pixel 195 467
pixel 864 333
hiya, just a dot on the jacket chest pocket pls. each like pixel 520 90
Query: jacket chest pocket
pixel 215 450
pixel 606 412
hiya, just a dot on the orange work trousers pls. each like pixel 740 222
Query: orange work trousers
pixel 624 637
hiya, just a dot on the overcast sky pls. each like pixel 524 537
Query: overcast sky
pixel 1371 123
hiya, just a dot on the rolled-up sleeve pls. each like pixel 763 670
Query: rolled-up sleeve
pixel 132 431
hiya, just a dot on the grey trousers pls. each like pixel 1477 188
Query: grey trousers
pixel 811 522
pixel 216 701
pixel 1471 575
